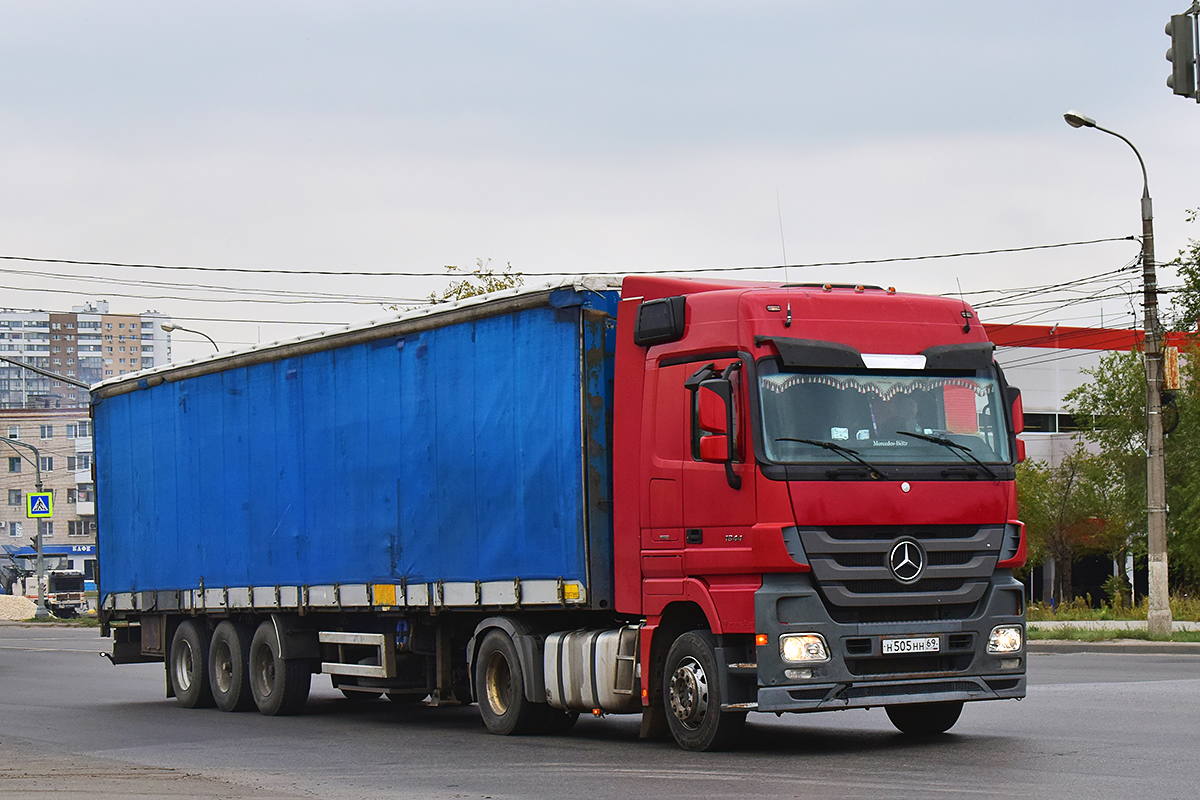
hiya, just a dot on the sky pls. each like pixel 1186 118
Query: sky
pixel 578 137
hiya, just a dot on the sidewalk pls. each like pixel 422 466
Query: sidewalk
pixel 1115 645
pixel 1109 624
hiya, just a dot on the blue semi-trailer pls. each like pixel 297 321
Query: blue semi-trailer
pixel 578 498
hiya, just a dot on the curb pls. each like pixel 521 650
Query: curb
pixel 1124 646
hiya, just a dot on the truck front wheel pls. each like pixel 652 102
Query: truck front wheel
pixel 188 668
pixel 692 695
pixel 279 685
pixel 924 719
pixel 229 667
pixel 500 683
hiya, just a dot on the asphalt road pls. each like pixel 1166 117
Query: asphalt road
pixel 72 726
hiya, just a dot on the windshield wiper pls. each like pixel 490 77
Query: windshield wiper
pixel 845 452
pixel 958 449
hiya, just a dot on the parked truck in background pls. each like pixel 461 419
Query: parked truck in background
pixel 64 591
pixel 688 499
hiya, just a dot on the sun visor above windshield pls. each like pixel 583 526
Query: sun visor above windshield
pixel 973 355
pixel 798 353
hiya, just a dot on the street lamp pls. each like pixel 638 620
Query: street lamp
pixel 1159 618
pixel 168 327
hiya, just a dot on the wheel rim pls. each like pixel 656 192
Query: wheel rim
pixel 223 661
pixel 498 683
pixel 264 673
pixel 689 693
pixel 184 665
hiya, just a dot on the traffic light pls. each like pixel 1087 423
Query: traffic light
pixel 1182 56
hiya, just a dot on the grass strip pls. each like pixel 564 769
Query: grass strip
pixel 1035 633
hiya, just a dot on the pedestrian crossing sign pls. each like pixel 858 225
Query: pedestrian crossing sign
pixel 39 505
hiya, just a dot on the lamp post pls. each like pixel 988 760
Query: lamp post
pixel 1159 618
pixel 42 612
pixel 168 327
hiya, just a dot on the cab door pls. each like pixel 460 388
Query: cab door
pixel 718 498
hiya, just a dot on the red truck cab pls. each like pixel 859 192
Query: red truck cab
pixel 817 482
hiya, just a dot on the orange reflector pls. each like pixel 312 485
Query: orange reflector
pixel 761 640
pixel 596 712
pixel 645 694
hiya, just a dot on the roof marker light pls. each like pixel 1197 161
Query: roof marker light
pixel 828 287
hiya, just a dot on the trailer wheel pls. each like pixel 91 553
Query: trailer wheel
pixel 692 695
pixel 229 667
pixel 188 669
pixel 500 683
pixel 925 719
pixel 279 685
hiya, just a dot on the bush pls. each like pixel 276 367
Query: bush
pixel 1183 607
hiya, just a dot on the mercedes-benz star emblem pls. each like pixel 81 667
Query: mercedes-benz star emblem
pixel 907 561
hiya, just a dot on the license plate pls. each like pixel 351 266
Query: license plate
pixel 924 644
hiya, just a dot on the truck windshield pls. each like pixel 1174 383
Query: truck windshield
pixel 886 418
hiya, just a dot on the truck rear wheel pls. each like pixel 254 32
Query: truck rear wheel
pixel 500 683
pixel 229 667
pixel 692 695
pixel 924 719
pixel 188 669
pixel 279 685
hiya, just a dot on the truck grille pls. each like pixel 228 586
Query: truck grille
pixel 850 567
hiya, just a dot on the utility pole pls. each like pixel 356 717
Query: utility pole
pixel 1159 618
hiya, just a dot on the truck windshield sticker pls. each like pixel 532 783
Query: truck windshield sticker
pixel 966 411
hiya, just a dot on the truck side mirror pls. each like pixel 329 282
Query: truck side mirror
pixel 1017 411
pixel 714 406
pixel 716 416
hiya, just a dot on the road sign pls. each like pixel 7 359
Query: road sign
pixel 39 505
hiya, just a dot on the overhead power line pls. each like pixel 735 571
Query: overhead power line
pixel 410 274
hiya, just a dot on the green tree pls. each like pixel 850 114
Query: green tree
pixel 1063 510
pixel 1185 306
pixel 1111 410
pixel 481 280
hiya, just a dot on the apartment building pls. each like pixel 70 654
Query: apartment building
pixel 87 344
pixel 55 446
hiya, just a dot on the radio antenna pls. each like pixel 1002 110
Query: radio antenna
pixel 787 322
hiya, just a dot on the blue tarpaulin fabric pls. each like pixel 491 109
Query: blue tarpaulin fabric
pixel 453 454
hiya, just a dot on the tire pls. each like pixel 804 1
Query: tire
pixel 501 686
pixel 229 667
pixel 279 685
pixel 692 696
pixel 188 667
pixel 925 719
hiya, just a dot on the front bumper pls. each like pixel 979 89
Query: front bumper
pixel 859 675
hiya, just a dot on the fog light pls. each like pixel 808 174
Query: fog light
pixel 1010 663
pixel 803 647
pixel 798 674
pixel 1005 639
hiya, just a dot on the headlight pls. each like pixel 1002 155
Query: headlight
pixel 1005 639
pixel 808 647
